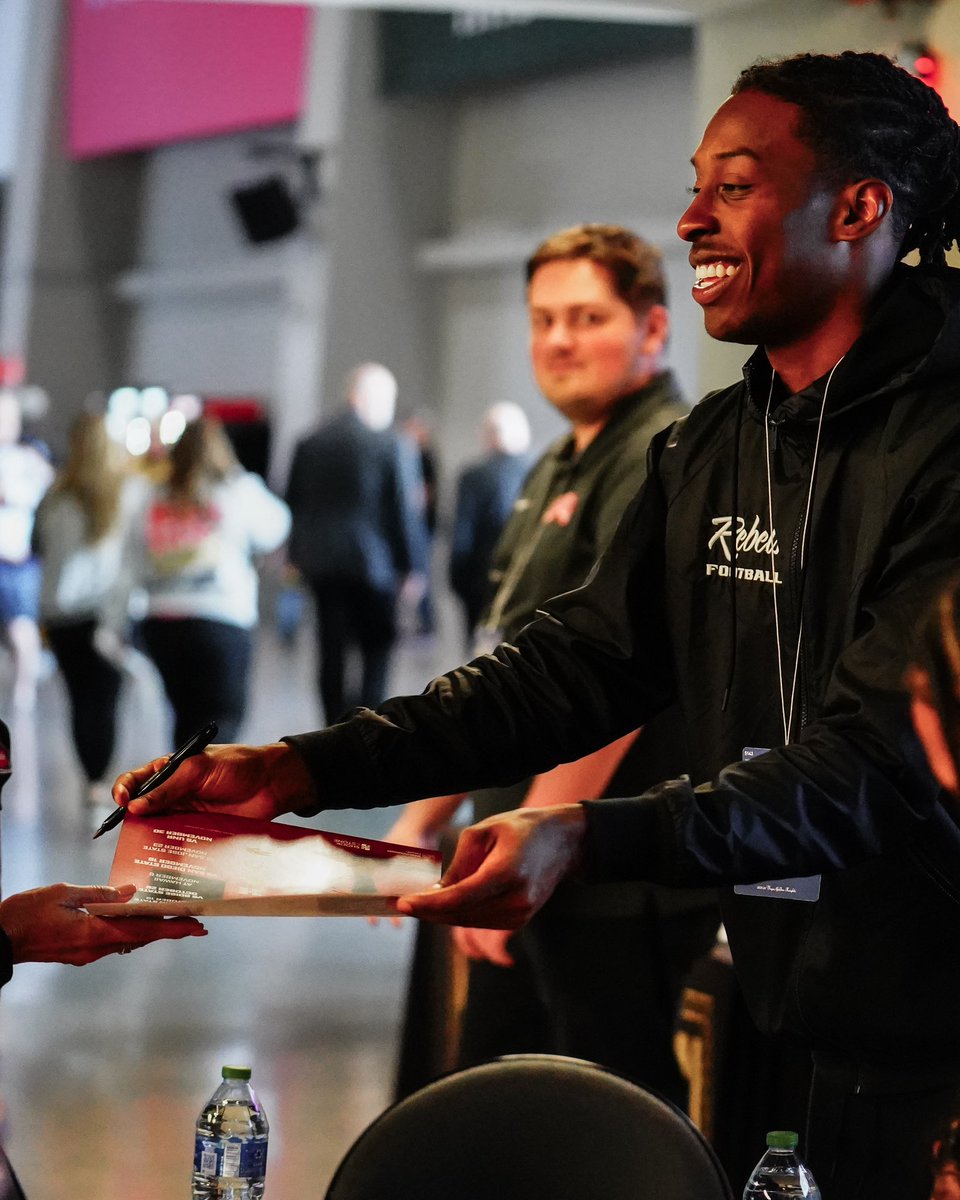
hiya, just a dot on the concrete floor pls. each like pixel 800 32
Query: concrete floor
pixel 103 1069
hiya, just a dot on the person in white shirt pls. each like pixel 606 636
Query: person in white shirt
pixel 25 474
pixel 82 533
pixel 200 533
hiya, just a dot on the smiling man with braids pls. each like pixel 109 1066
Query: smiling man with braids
pixel 770 576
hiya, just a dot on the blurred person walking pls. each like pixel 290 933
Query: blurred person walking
pixel 415 428
pixel 199 536
pixel 486 491
pixel 25 474
pixel 83 531
pixel 359 537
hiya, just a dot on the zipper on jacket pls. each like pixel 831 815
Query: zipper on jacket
pixel 802 687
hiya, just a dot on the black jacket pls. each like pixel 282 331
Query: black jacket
pixel 357 515
pixel 872 969
pixel 486 491
pixel 565 517
pixel 571 505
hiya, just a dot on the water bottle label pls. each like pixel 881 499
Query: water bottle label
pixel 231 1158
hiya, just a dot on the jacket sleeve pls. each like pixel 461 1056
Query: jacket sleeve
pixel 594 666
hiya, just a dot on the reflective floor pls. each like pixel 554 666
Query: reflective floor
pixel 103 1069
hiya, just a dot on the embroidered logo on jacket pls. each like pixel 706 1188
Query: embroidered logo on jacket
pixel 561 510
pixel 735 539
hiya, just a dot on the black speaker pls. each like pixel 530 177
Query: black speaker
pixel 267 210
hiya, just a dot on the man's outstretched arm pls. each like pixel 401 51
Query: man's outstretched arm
pixel 248 781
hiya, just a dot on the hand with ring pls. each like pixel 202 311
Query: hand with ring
pixel 50 924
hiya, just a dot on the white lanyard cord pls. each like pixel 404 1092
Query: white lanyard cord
pixel 787 717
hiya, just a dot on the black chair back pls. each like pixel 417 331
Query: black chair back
pixel 531 1127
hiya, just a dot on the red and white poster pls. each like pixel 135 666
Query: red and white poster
pixel 203 864
pixel 146 72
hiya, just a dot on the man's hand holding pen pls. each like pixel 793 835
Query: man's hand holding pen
pixel 191 746
pixel 246 781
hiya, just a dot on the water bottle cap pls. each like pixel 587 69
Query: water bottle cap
pixel 235 1073
pixel 782 1139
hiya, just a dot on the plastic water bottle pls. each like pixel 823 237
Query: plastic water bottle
pixel 230 1160
pixel 780 1175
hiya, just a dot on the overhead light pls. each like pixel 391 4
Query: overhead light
pixel 920 60
pixel 138 436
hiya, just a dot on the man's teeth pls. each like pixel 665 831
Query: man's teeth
pixel 715 270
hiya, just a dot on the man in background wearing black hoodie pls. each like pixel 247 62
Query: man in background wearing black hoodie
pixel 770 576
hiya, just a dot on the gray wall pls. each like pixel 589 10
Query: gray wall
pixel 13 33
pixel 69 228
pixel 599 145
pixel 415 255
pixel 207 305
pixel 212 312
pixel 391 192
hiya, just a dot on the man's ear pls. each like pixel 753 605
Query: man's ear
pixel 926 721
pixel 861 209
pixel 657 321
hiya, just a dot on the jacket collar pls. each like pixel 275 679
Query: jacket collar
pixel 911 338
pixel 660 390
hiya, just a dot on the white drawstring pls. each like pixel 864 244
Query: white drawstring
pixel 787 717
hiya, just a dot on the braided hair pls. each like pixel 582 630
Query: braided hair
pixel 866 117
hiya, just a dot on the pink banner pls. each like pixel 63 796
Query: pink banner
pixel 146 72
